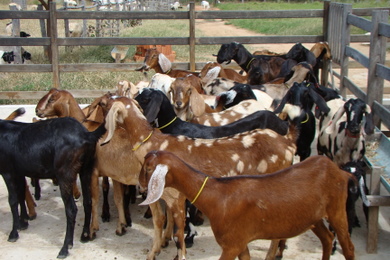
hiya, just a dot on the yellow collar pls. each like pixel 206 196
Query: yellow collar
pixel 139 144
pixel 200 190
pixel 173 120
pixel 307 119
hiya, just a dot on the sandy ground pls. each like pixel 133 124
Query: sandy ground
pixel 44 237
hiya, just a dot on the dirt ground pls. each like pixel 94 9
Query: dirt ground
pixel 44 237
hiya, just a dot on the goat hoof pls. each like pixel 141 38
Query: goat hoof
pixel 92 236
pixel 37 197
pixel 85 237
pixel 32 217
pixel 106 218
pixel 129 222
pixel 63 254
pixel 120 233
pixel 13 237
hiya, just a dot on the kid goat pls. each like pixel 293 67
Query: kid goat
pixel 316 189
pixel 54 148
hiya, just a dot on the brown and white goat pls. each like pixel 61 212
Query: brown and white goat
pixel 161 64
pixel 187 99
pixel 274 206
pixel 229 115
pixel 214 70
pixel 254 152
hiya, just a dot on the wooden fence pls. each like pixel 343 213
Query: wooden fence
pixel 332 25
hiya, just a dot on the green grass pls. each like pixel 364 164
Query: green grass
pixel 292 26
pixel 151 28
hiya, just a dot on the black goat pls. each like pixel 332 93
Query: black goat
pixel 56 148
pixel 9 57
pixel 158 110
pixel 303 96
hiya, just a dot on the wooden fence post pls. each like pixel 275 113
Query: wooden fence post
pixel 54 45
pixel 15 33
pixel 345 38
pixel 377 55
pixel 325 21
pixel 192 36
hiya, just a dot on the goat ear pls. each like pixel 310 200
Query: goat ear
pixel 197 103
pixel 369 125
pixel 112 117
pixel 212 74
pixel 320 101
pixel 332 126
pixel 156 184
pixel 283 102
pixel 164 62
pixel 92 107
pixel 153 108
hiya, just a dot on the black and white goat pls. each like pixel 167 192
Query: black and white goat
pixel 342 134
pixel 303 96
pixel 55 148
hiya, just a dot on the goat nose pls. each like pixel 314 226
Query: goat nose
pixel 179 103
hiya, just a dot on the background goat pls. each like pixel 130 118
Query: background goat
pixel 161 64
pixel 319 188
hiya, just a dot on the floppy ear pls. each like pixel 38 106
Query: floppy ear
pixel 197 103
pixel 332 127
pixel 283 102
pixel 115 114
pixel 318 100
pixel 156 184
pixel 369 126
pixel 211 74
pixel 164 62
pixel 153 108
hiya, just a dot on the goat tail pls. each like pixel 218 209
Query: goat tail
pixel 95 135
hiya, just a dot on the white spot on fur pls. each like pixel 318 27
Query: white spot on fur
pixel 274 158
pixel 262 166
pixel 248 141
pixel 240 167
pixel 235 157
pixel 164 145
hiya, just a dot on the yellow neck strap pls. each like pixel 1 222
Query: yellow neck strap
pixel 200 190
pixel 139 144
pixel 173 120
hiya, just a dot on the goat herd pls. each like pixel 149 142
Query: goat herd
pixel 223 142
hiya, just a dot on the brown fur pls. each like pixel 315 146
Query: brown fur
pixel 151 61
pixel 275 206
pixel 224 73
pixel 254 152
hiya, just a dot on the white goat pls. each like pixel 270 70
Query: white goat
pixel 205 5
pixel 161 82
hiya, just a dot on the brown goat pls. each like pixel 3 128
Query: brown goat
pixel 273 206
pixel 213 70
pixel 161 64
pixel 254 152
pixel 186 99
